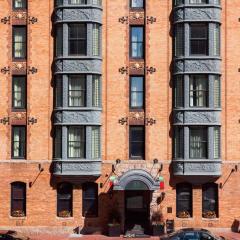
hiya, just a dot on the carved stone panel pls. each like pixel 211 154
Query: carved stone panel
pixel 136 68
pixel 19 18
pixel 77 117
pixel 78 14
pixel 19 68
pixel 136 17
pixel 77 168
pixel 197 117
pixel 78 66
pixel 136 118
pixel 18 118
pixel 198 14
pixel 197 65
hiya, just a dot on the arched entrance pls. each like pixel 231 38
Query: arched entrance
pixel 138 186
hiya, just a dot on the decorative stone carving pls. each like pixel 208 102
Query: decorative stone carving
pixel 136 17
pixel 19 17
pixel 19 68
pixel 178 117
pixel 201 65
pixel 78 66
pixel 78 117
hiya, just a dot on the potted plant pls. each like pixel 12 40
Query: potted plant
pixel 209 214
pixel 158 223
pixel 114 225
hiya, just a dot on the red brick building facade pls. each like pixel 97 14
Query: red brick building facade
pixel 132 168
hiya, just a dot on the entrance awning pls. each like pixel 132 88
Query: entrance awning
pixel 136 179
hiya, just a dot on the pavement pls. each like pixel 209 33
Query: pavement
pixel 227 235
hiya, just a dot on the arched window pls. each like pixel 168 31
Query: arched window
pixel 210 200
pixel 90 200
pixel 184 200
pixel 64 200
pixel 18 199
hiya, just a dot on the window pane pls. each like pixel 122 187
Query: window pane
pixel 198 1
pixel 77 2
pixel 216 40
pixel 59 40
pixel 96 101
pixel 19 42
pixel 64 200
pixel 77 39
pixel 178 91
pixel 95 142
pixel 217 92
pixel 217 147
pixel 97 2
pixel 137 42
pixel 137 92
pixel 198 91
pixel 179 2
pixel 76 142
pixel 19 92
pixel 178 142
pixel 137 144
pixel 210 200
pixel 58 91
pixel 18 142
pixel 58 142
pixel 199 39
pixel 19 4
pixel 96 39
pixel 184 200
pixel 179 40
pixel 90 200
pixel 77 91
pixel 137 3
pixel 198 143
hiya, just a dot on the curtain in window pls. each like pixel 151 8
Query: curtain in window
pixel 210 200
pixel 198 91
pixel 198 143
pixel 95 142
pixel 217 92
pixel 18 92
pixel 96 39
pixel 216 40
pixel 19 137
pixel 64 200
pixel 77 91
pixel 96 98
pixel 178 142
pixel 216 147
pixel 18 199
pixel 77 2
pixel 179 40
pixel 76 142
pixel 178 91
pixel 19 42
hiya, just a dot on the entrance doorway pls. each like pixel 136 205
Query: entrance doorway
pixel 137 208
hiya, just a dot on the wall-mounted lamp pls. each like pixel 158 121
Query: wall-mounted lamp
pixel 155 161
pixel 118 161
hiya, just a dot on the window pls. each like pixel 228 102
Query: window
pixel 90 200
pixel 216 40
pixel 184 200
pixel 77 39
pixel 58 142
pixel 217 92
pixel 96 39
pixel 137 45
pixel 137 3
pixel 210 200
pixel 198 143
pixel 19 4
pixel 58 91
pixel 77 2
pixel 178 142
pixel 178 92
pixel 96 97
pixel 137 92
pixel 19 42
pixel 77 91
pixel 18 141
pixel 217 142
pixel 198 91
pixel 64 200
pixel 19 92
pixel 18 199
pixel 137 142
pixel 95 142
pixel 198 39
pixel 59 40
pixel 76 142
pixel 179 40
pixel 198 1
pixel 97 2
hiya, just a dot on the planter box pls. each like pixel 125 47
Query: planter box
pixel 157 230
pixel 114 231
